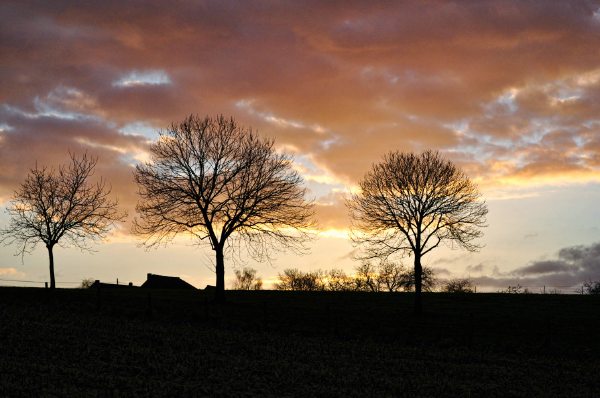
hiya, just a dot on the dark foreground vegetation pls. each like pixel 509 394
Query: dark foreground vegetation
pixel 128 342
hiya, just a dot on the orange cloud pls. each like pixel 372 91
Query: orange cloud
pixel 510 91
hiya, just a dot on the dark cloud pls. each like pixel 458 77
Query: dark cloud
pixel 573 266
pixel 544 267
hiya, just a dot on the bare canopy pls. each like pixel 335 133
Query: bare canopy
pixel 222 183
pixel 60 207
pixel 412 203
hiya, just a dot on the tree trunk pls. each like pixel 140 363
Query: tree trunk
pixel 418 285
pixel 51 258
pixel 220 270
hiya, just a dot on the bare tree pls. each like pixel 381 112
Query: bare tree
pixel 412 203
pixel 338 281
pixel 428 280
pixel 294 279
pixel 60 207
pixel 367 277
pixel 392 277
pixel 220 182
pixel 459 285
pixel 246 279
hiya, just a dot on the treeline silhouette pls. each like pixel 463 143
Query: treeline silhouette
pixel 387 276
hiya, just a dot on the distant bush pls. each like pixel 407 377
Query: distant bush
pixel 458 285
pixel 592 287
pixel 337 280
pixel 86 283
pixel 391 277
pixel 517 289
pixel 294 279
pixel 246 279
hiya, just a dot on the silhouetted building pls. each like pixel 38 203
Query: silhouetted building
pixel 166 282
pixel 98 284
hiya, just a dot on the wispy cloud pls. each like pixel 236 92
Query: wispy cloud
pixel 143 78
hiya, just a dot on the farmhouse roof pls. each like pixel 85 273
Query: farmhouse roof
pixel 166 282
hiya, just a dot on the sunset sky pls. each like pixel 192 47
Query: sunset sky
pixel 509 91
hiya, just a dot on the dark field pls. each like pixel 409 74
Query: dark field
pixel 128 343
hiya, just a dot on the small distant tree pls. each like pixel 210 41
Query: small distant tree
pixel 246 279
pixel 390 276
pixel 411 204
pixel 459 285
pixel 393 277
pixel 367 277
pixel 428 280
pixel 86 283
pixel 592 287
pixel 225 185
pixel 294 279
pixel 337 280
pixel 60 207
pixel 517 289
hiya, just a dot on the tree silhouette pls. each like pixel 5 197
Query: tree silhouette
pixel 411 204
pixel 220 182
pixel 459 285
pixel 60 207
pixel 246 279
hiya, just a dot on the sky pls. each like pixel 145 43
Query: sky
pixel 508 90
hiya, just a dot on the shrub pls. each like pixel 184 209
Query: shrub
pixel 86 283
pixel 246 279
pixel 592 287
pixel 458 285
pixel 294 279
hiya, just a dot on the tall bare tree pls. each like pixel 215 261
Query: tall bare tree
pixel 412 203
pixel 60 207
pixel 219 181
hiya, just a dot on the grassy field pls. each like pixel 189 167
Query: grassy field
pixel 130 342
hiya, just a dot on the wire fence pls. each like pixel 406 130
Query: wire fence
pixel 44 283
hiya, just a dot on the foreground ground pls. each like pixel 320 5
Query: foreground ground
pixel 130 342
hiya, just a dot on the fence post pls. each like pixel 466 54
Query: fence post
pixel 544 289
pixel 46 285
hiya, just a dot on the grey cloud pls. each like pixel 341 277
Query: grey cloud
pixel 573 266
pixel 544 267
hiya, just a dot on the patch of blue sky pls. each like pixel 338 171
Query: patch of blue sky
pixel 129 158
pixel 5 127
pixel 479 145
pixel 318 190
pixel 320 182
pixel 507 100
pixel 566 93
pixel 44 109
pixel 328 143
pixel 140 128
pixel 143 78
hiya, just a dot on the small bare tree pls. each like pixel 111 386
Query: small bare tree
pixel 294 279
pixel 411 204
pixel 220 182
pixel 246 279
pixel 60 207
pixel 459 285
pixel 367 277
